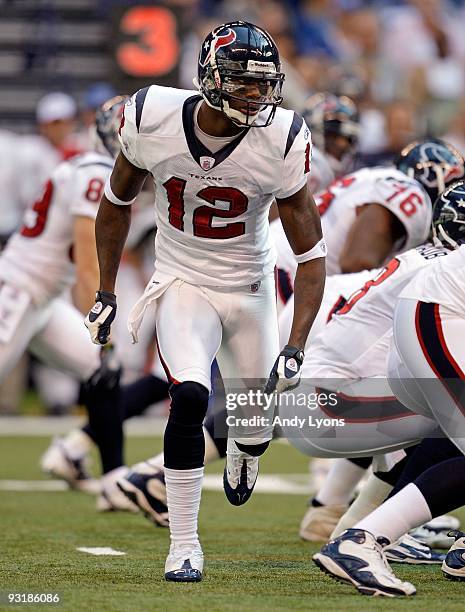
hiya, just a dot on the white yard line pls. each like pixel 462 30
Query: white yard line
pixel 100 550
pixel 56 426
pixel 284 484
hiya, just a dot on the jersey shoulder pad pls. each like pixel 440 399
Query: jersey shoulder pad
pixel 150 111
pixel 153 106
pixel 276 140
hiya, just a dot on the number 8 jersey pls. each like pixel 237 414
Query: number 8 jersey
pixel 212 208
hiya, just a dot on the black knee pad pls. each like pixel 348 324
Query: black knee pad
pixel 189 402
pixel 184 443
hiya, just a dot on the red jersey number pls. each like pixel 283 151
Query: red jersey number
pixel 373 282
pixel 409 204
pixel 325 199
pixel 204 216
pixel 40 210
pixel 94 190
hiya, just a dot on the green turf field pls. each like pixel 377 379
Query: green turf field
pixel 254 559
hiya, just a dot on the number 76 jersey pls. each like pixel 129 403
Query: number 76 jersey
pixel 212 208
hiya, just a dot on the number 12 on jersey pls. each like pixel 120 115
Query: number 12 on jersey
pixel 203 215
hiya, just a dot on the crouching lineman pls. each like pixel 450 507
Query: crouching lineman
pixel 426 367
pixel 218 160
pixel 54 248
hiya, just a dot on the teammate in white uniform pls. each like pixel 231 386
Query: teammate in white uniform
pixel 349 357
pixel 428 362
pixel 213 283
pixel 362 234
pixel 54 249
pixel 366 216
pixel 396 208
pixel 37 265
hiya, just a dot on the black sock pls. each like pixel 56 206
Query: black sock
pixel 102 398
pixel 429 452
pixel 392 476
pixel 443 486
pixel 362 462
pixel 184 441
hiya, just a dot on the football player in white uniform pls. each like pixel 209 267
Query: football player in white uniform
pixel 54 249
pixel 218 160
pixel 427 364
pixel 427 361
pixel 348 358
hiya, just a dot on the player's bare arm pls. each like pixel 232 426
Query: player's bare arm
pixel 363 249
pixel 111 230
pixel 85 258
pixel 301 223
pixel 113 221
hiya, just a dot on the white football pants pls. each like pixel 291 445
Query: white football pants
pixel 55 333
pixel 236 325
pixel 428 367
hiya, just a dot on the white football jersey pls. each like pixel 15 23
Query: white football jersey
pixel 355 343
pixel 338 204
pixel 443 284
pixel 38 257
pixel 212 208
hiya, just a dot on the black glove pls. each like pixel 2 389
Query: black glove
pixel 285 374
pixel 101 316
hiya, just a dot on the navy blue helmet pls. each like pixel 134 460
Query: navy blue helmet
pixel 449 217
pixel 434 163
pixel 239 73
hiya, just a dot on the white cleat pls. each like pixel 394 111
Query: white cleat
pixel 111 499
pixel 57 462
pixel 445 522
pixel 453 566
pixel 240 474
pixel 319 522
pixel 144 485
pixel 412 551
pixel 434 533
pixel 356 557
pixel 184 563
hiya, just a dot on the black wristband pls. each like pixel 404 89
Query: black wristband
pixel 293 351
pixel 105 296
